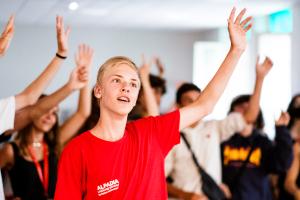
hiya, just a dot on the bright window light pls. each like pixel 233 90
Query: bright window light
pixel 73 5
pixel 208 57
pixel 276 92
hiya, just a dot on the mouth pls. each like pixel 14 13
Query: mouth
pixel 123 99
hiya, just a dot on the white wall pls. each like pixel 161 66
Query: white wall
pixel 33 47
pixel 296 49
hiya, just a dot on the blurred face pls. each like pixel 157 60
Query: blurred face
pixel 118 90
pixel 189 97
pixel 241 108
pixel 46 121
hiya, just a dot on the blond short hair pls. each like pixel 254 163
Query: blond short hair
pixel 115 61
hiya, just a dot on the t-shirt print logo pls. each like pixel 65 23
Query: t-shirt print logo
pixel 107 187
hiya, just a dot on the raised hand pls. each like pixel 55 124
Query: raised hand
pixel 144 69
pixel 78 78
pixel 7 35
pixel 62 36
pixel 159 66
pixel 263 69
pixel 237 29
pixel 84 56
pixel 283 120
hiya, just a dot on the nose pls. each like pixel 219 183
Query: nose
pixel 125 88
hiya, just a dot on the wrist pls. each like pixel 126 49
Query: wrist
pixel 236 50
pixel 62 53
pixel 70 87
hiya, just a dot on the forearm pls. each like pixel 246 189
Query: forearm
pixel 291 186
pixel 174 191
pixel 217 85
pixel 253 108
pixel 209 97
pixel 150 101
pixel 72 125
pixel 84 102
pixel 30 95
pixel 48 102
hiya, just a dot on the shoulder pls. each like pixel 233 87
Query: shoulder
pixel 76 143
pixel 7 154
pixel 152 119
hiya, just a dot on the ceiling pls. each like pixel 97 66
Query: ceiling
pixel 143 14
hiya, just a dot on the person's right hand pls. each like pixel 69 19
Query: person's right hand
pixel 263 69
pixel 159 66
pixel 283 120
pixel 237 30
pixel 84 56
pixel 78 78
pixel 7 35
pixel 62 37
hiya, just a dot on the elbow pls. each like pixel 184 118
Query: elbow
pixel 29 98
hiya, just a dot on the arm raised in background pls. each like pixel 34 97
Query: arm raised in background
pixel 30 95
pixel 152 107
pixel 261 71
pixel 279 154
pixel 7 35
pixel 290 183
pixel 72 125
pixel 215 88
pixel 159 66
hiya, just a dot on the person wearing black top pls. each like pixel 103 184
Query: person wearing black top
pixel 247 177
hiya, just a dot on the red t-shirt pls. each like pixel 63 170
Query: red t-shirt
pixel 130 168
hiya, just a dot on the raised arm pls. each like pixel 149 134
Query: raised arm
pixel 290 182
pixel 159 66
pixel 279 154
pixel 213 91
pixel 74 123
pixel 150 102
pixel 30 95
pixel 7 35
pixel 261 71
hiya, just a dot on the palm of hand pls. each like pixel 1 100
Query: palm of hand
pixel 237 35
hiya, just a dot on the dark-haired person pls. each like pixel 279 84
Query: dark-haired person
pixel 249 158
pixel 205 138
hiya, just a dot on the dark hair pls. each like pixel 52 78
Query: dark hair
pixel 295 115
pixel 158 82
pixel 260 122
pixel 50 137
pixel 292 103
pixel 185 87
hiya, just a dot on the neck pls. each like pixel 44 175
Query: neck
pixel 110 126
pixel 36 136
